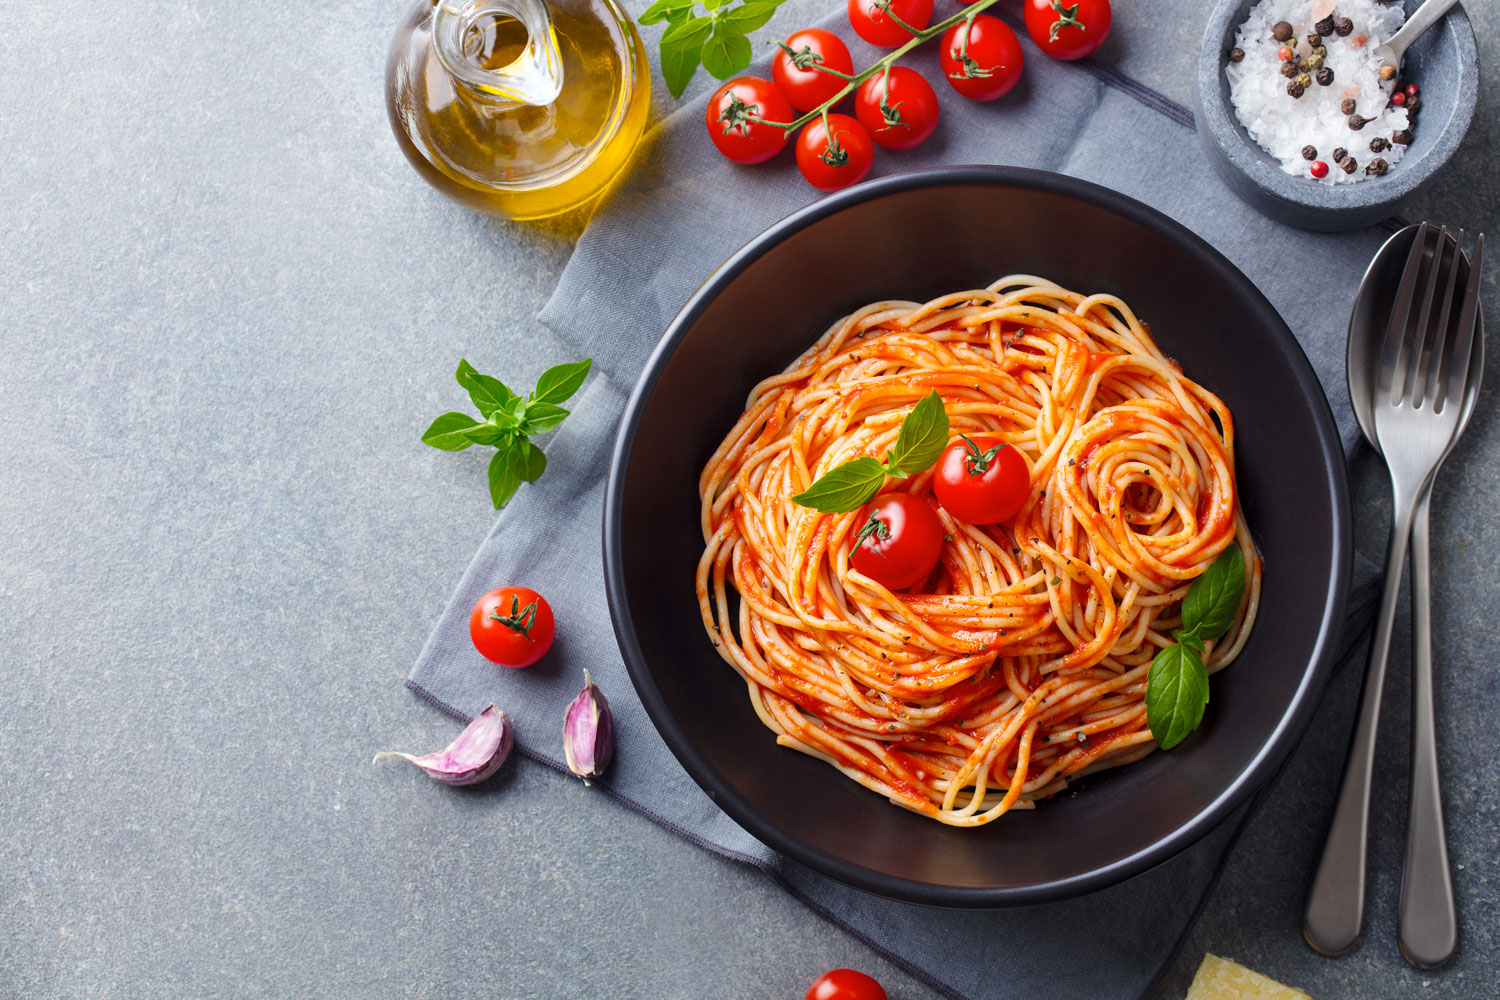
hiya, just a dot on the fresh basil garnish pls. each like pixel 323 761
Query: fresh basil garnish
pixel 844 488
pixel 919 443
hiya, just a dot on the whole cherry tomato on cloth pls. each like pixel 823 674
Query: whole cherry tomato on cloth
pixel 512 626
pixel 899 541
pixel 834 151
pixel 1068 30
pixel 746 141
pixel 981 58
pixel 878 27
pixel 897 107
pixel 981 480
pixel 845 984
pixel 792 68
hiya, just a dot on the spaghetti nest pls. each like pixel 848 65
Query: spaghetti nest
pixel 1022 661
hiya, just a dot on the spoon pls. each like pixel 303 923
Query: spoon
pixel 1422 18
pixel 1428 931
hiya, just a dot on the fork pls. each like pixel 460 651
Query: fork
pixel 1417 400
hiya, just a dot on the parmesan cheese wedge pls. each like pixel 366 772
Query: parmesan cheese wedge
pixel 1220 979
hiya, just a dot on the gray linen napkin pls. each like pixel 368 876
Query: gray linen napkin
pixel 680 213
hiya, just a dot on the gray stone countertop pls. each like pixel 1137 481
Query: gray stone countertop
pixel 227 309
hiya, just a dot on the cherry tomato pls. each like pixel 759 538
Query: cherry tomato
pixel 512 626
pixel 845 984
pixel 876 26
pixel 833 163
pixel 1067 30
pixel 806 88
pixel 899 541
pixel 742 141
pixel 981 480
pixel 981 58
pixel 898 108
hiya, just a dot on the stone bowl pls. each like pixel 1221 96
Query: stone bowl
pixel 1444 62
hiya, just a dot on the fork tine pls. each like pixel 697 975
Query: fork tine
pixel 1395 335
pixel 1406 380
pixel 1433 371
pixel 1456 382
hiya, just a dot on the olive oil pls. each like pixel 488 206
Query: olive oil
pixel 520 108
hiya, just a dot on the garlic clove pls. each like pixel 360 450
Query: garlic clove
pixel 477 753
pixel 589 732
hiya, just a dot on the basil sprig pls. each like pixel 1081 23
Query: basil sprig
pixel 509 421
pixel 1177 684
pixel 919 443
pixel 716 38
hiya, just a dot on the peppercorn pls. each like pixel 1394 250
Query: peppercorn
pixel 1324 76
pixel 1411 90
pixel 1236 55
pixel 1377 167
pixel 1290 69
pixel 1309 152
pixel 1295 89
pixel 1347 105
pixel 1284 53
pixel 1379 144
pixel 1413 105
pixel 1304 79
pixel 1339 154
pixel 1356 122
pixel 1325 26
pixel 1314 39
pixel 1343 26
pixel 1313 61
pixel 1402 137
pixel 1398 98
pixel 1319 169
pixel 1281 31
pixel 1387 72
pixel 1348 164
pixel 1321 52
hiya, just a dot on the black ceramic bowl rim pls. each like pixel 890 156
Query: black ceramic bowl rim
pixel 1291 198
pixel 1280 740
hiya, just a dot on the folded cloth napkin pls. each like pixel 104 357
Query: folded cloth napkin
pixel 680 213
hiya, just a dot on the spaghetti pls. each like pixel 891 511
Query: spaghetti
pixel 1022 661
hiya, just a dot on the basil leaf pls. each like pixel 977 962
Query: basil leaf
pixel 1176 694
pixel 488 393
pixel 726 53
pixel 527 462
pixel 714 4
pixel 503 482
pixel 689 34
pixel 845 487
pixel 557 384
pixel 1214 597
pixel 678 67
pixel 447 432
pixel 542 417
pixel 659 10
pixel 485 433
pixel 746 18
pixel 922 438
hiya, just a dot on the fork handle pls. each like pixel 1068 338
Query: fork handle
pixel 1336 899
pixel 1429 921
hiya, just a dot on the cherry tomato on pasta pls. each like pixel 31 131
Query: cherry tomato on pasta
pixel 981 480
pixel 834 151
pixel 1067 30
pixel 981 58
pixel 512 626
pixel 899 541
pixel 898 108
pixel 845 984
pixel 804 86
pixel 745 141
pixel 876 26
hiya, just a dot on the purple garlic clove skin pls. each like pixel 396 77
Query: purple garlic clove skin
pixel 589 732
pixel 477 753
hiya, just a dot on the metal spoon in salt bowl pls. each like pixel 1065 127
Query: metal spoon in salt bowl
pixel 1421 19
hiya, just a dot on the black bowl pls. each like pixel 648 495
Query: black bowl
pixel 914 236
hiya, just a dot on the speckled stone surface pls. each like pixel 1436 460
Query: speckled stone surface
pixel 227 309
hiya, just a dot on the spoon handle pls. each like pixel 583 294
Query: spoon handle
pixel 1421 19
pixel 1336 899
pixel 1429 922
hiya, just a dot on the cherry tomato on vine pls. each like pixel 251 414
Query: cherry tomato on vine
pixel 981 58
pixel 834 151
pixel 512 626
pixel 1066 30
pixel 981 480
pixel 792 68
pixel 875 25
pixel 898 108
pixel 899 541
pixel 845 984
pixel 745 141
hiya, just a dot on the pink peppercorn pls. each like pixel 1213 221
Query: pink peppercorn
pixel 1411 90
pixel 1318 169
pixel 1398 98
